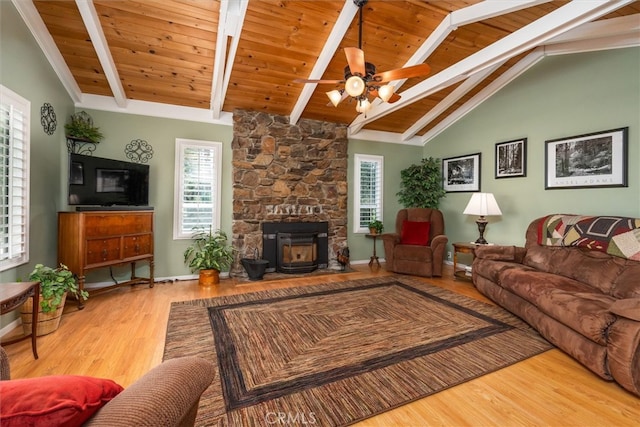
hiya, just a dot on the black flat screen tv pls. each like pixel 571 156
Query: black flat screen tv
pixel 96 181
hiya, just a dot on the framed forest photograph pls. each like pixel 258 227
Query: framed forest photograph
pixel 511 158
pixel 461 173
pixel 587 161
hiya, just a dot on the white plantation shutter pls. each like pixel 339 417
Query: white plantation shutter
pixel 368 197
pixel 14 179
pixel 198 171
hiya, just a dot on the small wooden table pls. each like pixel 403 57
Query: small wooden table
pixel 12 296
pixel 463 248
pixel 374 257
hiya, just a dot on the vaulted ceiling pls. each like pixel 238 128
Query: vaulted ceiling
pixel 201 59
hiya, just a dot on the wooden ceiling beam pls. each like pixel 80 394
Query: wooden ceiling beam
pixel 92 22
pixel 468 15
pixel 230 22
pixel 552 25
pixel 340 28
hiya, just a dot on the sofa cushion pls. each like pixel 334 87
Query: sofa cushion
pixel 415 233
pixel 585 313
pixel 627 284
pixel 56 400
pixel 492 270
pixel 593 268
pixel 568 301
pixel 628 308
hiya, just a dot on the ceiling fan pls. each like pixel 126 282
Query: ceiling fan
pixel 360 77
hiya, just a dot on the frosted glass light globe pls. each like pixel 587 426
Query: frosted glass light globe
pixel 355 86
pixel 385 92
pixel 363 106
pixel 335 96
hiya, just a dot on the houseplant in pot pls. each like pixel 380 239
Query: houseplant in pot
pixel 55 285
pixel 376 227
pixel 208 254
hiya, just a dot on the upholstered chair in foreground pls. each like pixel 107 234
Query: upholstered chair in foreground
pixel 418 245
pixel 167 395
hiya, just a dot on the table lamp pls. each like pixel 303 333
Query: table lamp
pixel 482 204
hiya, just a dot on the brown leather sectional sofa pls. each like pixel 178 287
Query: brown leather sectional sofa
pixel 571 287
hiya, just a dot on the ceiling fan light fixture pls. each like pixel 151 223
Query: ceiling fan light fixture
pixel 355 86
pixel 363 105
pixel 385 92
pixel 335 97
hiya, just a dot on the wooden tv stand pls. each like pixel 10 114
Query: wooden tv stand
pixel 89 240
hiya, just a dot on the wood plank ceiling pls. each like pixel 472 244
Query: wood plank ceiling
pixel 201 59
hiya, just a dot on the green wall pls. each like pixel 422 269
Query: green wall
pixel 25 70
pixel 561 96
pixel 120 129
pixel 396 158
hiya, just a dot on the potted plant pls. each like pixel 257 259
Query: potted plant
pixel 81 128
pixel 55 284
pixel 376 227
pixel 208 254
pixel 421 185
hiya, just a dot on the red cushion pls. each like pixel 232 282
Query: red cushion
pixel 54 400
pixel 415 232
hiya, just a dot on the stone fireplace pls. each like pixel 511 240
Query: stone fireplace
pixel 285 173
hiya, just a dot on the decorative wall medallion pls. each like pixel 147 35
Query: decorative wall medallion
pixel 139 151
pixel 48 118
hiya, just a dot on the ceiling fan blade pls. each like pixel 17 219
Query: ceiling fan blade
pixel 403 73
pixel 335 82
pixel 355 59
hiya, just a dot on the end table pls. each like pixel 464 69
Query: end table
pixel 374 257
pixel 12 296
pixel 463 248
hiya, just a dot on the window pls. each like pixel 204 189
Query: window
pixel 368 190
pixel 14 179
pixel 198 172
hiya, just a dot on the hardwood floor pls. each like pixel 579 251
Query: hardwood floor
pixel 120 335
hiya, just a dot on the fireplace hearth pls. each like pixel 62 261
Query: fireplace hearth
pixel 295 247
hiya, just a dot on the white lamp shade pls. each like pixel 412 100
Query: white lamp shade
pixel 335 96
pixel 482 204
pixel 363 106
pixel 355 86
pixel 385 92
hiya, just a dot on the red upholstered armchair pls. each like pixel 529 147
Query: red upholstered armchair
pixel 418 245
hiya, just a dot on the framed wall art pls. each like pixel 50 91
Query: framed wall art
pixel 587 161
pixel 511 158
pixel 461 173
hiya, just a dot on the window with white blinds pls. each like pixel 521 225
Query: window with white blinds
pixel 368 190
pixel 198 172
pixel 14 179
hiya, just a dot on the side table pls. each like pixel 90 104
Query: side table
pixel 374 257
pixel 12 296
pixel 462 248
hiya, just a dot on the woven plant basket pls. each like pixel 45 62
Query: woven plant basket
pixel 47 322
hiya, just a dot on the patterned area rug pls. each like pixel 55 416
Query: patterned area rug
pixel 334 354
